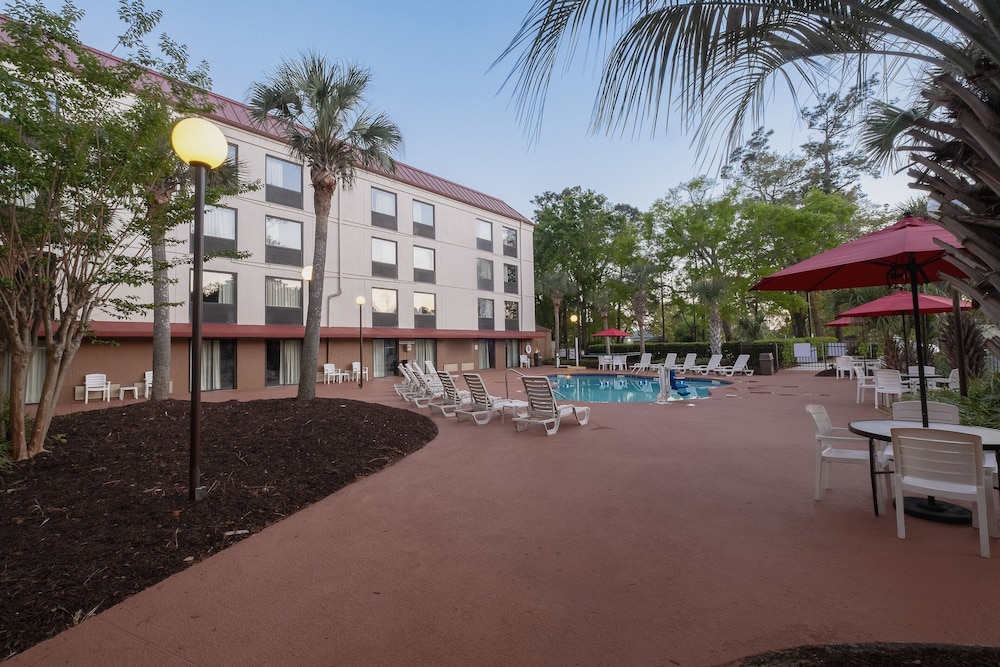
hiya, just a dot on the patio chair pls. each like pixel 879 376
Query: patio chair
pixel 525 362
pixel 712 364
pixel 844 367
pixel 941 413
pixel 430 368
pixel 331 372
pixel 410 386
pixel 668 363
pixel 96 382
pixel 865 381
pixel 943 464
pixel 147 378
pixel 643 363
pixel 888 382
pixel 690 361
pixel 451 400
pixel 482 406
pixel 835 444
pixel 604 362
pixel 357 371
pixel 739 366
pixel 544 410
pixel 618 362
pixel 427 389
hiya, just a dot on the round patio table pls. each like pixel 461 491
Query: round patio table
pixel 924 508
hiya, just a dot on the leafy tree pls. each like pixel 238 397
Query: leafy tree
pixel 320 105
pixel 761 174
pixel 712 63
pixel 556 285
pixel 640 279
pixel 77 159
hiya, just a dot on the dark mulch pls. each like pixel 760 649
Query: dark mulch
pixel 105 514
pixel 879 655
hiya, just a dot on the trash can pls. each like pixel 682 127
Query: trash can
pixel 538 359
pixel 766 363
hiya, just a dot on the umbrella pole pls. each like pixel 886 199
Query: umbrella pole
pixel 956 309
pixel 913 268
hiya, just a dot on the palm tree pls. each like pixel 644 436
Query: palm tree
pixel 640 278
pixel 321 108
pixel 710 291
pixel 715 63
pixel 557 285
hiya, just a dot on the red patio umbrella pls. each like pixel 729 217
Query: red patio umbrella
pixel 901 303
pixel 840 322
pixel 608 335
pixel 903 253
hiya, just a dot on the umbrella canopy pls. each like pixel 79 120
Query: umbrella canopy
pixel 880 258
pixel 840 322
pixel 903 253
pixel 612 332
pixel 901 303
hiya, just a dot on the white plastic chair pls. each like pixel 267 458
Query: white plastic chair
pixel 357 372
pixel 331 372
pixel 148 379
pixel 543 409
pixel 941 413
pixel 865 381
pixel 96 382
pixel 604 362
pixel 712 365
pixel 844 367
pixel 618 362
pixel 888 382
pixel 643 363
pixel 525 363
pixel 943 464
pixel 690 361
pixel 835 444
pixel 668 363
pixel 739 366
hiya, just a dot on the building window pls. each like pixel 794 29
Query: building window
pixel 384 259
pixel 218 297
pixel 233 158
pixel 219 229
pixel 484 274
pixel 385 310
pixel 510 278
pixel 282 301
pixel 423 219
pixel 423 265
pixel 424 310
pixel 282 362
pixel 509 242
pixel 510 315
pixel 486 314
pixel 383 209
pixel 283 182
pixel 484 235
pixel 218 364
pixel 282 241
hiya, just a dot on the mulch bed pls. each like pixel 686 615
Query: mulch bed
pixel 105 513
pixel 879 655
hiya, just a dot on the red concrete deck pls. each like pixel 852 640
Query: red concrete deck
pixel 683 534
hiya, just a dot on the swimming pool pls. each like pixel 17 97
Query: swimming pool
pixel 594 388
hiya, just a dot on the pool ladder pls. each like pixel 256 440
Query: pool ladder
pixel 516 371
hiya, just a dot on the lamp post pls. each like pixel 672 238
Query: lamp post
pixel 202 145
pixel 361 341
pixel 576 339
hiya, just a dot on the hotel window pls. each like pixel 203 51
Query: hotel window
pixel 218 297
pixel 282 301
pixel 383 209
pixel 423 219
pixel 384 259
pixel 218 364
pixel 509 242
pixel 424 310
pixel 282 182
pixel 385 311
pixel 510 278
pixel 484 235
pixel 423 265
pixel 484 275
pixel 510 315
pixel 220 228
pixel 486 314
pixel 282 241
pixel 233 157
pixel 282 361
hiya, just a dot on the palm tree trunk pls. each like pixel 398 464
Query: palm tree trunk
pixel 322 198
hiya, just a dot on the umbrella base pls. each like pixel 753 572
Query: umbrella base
pixel 935 510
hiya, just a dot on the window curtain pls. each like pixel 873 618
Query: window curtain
pixel 425 349
pixel 274 173
pixel 220 222
pixel 379 346
pixel 283 293
pixel 484 353
pixel 291 354
pixel 211 365
pixel 227 291
pixel 384 202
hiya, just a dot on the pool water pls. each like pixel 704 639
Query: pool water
pixel 625 389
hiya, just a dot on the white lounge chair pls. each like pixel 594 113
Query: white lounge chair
pixel 712 364
pixel 96 382
pixel 482 406
pixel 452 399
pixel 331 372
pixel 690 361
pixel 643 363
pixel 739 366
pixel 544 410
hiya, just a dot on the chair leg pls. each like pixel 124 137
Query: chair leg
pixel 819 474
pixel 900 526
pixel 984 525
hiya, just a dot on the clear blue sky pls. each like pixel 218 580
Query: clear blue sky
pixel 431 65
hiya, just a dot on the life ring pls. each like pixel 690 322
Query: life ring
pixel 527 348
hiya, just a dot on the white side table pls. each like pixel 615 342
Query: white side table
pixel 131 388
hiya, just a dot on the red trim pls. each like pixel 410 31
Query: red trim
pixel 114 329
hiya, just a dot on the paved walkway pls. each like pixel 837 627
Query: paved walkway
pixel 683 534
